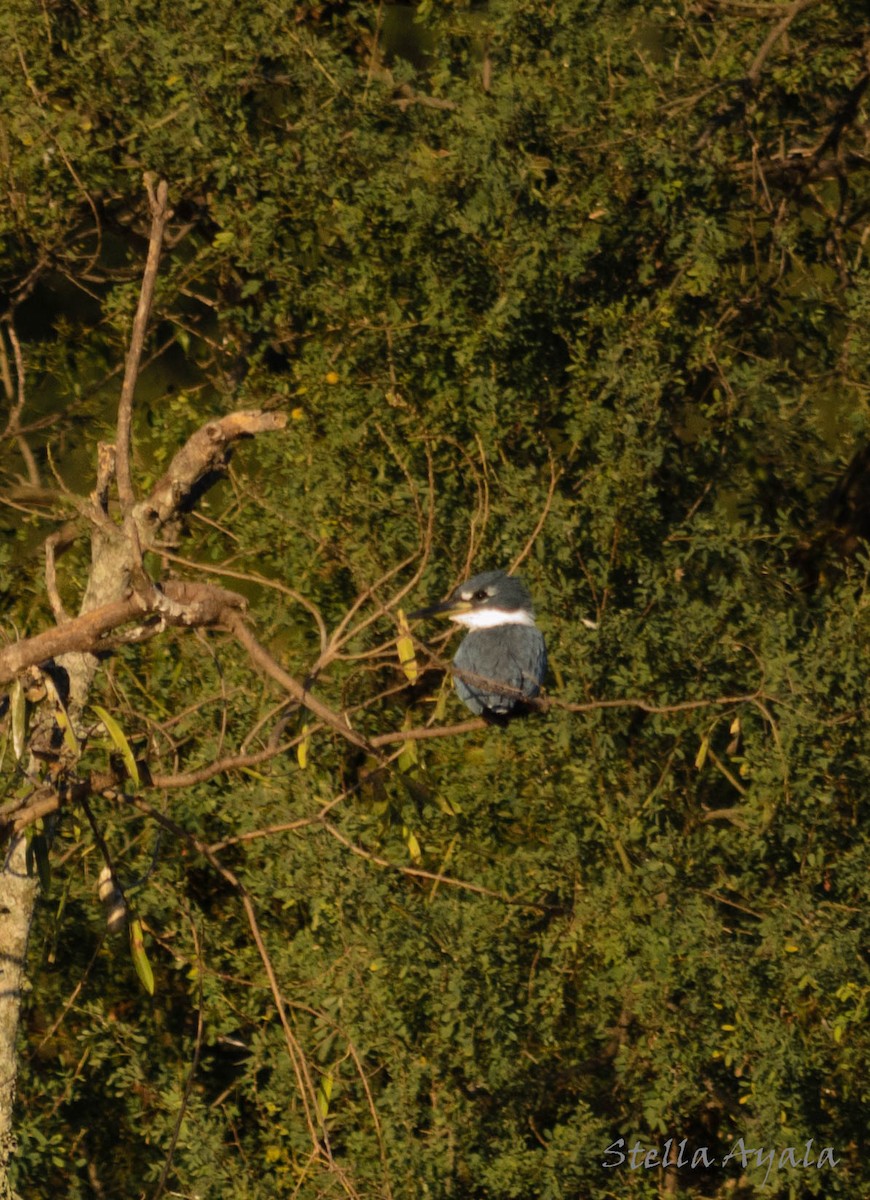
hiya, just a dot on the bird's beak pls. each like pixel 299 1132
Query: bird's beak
pixel 446 608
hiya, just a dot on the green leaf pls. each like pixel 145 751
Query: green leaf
pixel 324 1094
pixel 303 748
pixel 140 957
pixel 701 756
pixel 38 847
pixel 116 733
pixel 405 648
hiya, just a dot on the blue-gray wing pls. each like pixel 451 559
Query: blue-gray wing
pixel 513 655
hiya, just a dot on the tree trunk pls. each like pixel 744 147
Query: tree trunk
pixel 17 901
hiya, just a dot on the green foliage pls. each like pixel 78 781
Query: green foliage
pixel 526 238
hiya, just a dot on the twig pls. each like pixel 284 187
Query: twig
pixel 551 490
pixel 60 614
pixel 319 1136
pixel 292 686
pixel 160 214
pixel 178 603
pixel 419 873
pixel 16 401
pixel 754 73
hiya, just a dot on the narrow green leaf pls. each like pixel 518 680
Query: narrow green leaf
pixel 140 958
pixel 302 750
pixel 116 733
pixel 39 848
pixel 408 755
pixel 413 845
pixel 324 1094
pixel 701 756
pixel 405 648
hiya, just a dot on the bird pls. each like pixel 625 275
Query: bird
pixel 502 660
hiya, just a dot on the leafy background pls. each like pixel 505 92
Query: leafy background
pixel 470 249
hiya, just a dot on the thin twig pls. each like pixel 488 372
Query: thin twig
pixel 60 613
pixel 419 873
pixel 754 73
pixel 319 1136
pixel 551 490
pixel 292 686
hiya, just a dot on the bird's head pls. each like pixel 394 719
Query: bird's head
pixel 485 601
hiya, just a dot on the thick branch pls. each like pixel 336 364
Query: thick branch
pixel 203 454
pixel 80 634
pixel 177 602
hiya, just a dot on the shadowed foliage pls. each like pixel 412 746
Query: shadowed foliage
pixel 597 271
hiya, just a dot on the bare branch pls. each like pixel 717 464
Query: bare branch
pixel 178 602
pixel 794 10
pixel 16 400
pixel 292 686
pixel 419 873
pixel 545 512
pixel 81 634
pixel 203 454
pixel 54 599
pixel 160 214
pixel 316 1126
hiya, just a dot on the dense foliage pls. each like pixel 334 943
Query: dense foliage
pixel 612 251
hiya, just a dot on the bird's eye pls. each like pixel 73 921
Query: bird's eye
pixel 483 594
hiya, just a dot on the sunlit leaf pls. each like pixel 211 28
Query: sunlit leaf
pixel 18 705
pixel 405 648
pixel 324 1094
pixel 140 957
pixel 302 750
pixel 116 733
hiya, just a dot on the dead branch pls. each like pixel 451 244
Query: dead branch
pixel 794 10
pixel 204 454
pixel 297 691
pixel 79 635
pixel 177 602
pixel 160 214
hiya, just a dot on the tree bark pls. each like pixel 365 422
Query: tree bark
pixel 17 900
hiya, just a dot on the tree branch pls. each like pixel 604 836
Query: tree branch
pixel 260 655
pixel 160 214
pixel 177 602
pixel 794 10
pixel 204 453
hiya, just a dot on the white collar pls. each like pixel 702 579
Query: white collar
pixel 491 618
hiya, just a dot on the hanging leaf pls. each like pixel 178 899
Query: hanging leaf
pixel 140 958
pixel 303 748
pixel 38 848
pixel 324 1094
pixel 62 717
pixel 701 756
pixel 413 845
pixel 405 648
pixel 408 756
pixel 440 710
pixel 116 733
pixel 18 705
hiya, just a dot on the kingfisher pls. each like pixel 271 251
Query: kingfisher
pixel 503 659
